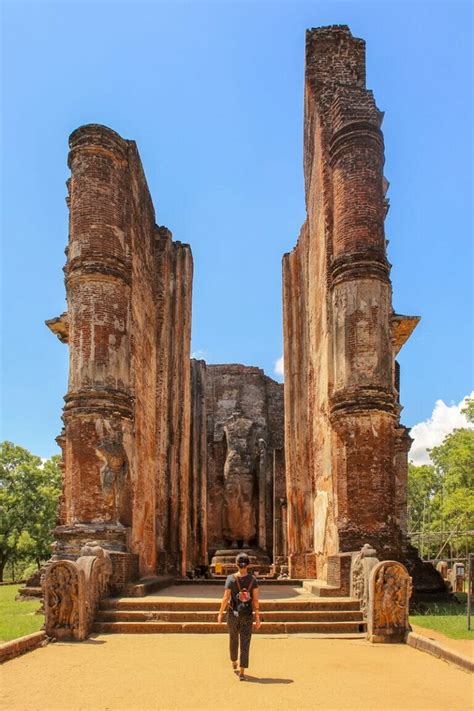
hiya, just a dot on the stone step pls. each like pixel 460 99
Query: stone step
pixel 147 586
pixel 321 589
pixel 215 628
pixel 204 616
pixel 219 579
pixel 306 604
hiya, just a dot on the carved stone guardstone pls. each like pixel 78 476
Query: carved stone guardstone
pixel 362 565
pixel 65 612
pixel 73 590
pixel 390 589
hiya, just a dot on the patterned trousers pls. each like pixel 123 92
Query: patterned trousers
pixel 240 629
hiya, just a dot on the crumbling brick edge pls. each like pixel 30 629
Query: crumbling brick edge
pixel 21 645
pixel 418 641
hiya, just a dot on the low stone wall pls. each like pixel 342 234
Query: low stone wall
pixel 21 645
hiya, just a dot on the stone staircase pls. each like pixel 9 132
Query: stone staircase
pixel 284 610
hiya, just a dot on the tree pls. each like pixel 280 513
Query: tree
pixel 453 460
pixel 441 495
pixel 424 486
pixel 468 409
pixel 29 493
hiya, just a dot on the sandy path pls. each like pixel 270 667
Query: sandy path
pixel 170 672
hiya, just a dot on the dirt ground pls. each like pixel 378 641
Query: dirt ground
pixel 170 672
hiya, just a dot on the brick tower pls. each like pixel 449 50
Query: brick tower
pixel 346 452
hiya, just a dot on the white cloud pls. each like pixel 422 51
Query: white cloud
pixel 199 354
pixel 278 367
pixel 431 432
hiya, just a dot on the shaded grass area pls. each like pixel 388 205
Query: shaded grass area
pixel 17 618
pixel 449 618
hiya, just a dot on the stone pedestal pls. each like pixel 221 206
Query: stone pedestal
pixel 223 562
pixel 113 538
pixel 70 539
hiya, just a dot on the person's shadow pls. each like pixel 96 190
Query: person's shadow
pixel 266 680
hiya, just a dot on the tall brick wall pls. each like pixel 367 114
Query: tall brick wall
pixel 127 428
pixel 346 452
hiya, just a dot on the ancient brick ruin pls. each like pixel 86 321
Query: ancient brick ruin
pixel 346 451
pixel 246 487
pixel 151 438
pixel 126 438
pixel 170 464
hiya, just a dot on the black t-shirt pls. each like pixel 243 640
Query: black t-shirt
pixel 244 581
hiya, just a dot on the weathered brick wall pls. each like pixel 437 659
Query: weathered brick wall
pixel 99 401
pixel 237 388
pixel 345 450
pixel 198 485
pixel 126 439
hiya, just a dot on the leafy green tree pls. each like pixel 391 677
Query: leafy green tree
pixel 424 486
pixel 29 493
pixel 453 460
pixel 441 495
pixel 468 409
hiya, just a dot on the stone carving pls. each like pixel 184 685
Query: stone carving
pixel 240 481
pixel 64 584
pixel 113 471
pixel 73 591
pixel 244 459
pixel 362 565
pixel 103 566
pixel 390 592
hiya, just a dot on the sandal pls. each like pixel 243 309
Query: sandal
pixel 235 666
pixel 241 677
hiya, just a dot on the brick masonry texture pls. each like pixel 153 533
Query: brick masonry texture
pixel 166 459
pixel 346 451
pixel 126 435
pixel 143 423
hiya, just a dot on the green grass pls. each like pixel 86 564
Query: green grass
pixel 449 618
pixel 17 618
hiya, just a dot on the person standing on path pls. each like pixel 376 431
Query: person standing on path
pixel 241 600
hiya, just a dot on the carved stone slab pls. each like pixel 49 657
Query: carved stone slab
pixel 64 601
pixel 389 596
pixel 362 565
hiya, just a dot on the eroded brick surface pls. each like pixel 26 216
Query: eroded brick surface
pixel 346 452
pixel 126 435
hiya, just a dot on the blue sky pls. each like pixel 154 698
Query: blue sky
pixel 212 92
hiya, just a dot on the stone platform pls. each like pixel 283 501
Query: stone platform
pixel 223 561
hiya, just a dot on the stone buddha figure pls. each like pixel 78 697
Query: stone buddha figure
pixel 240 484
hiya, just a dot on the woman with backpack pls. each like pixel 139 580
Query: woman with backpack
pixel 241 601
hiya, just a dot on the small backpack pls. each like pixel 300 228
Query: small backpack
pixel 244 599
